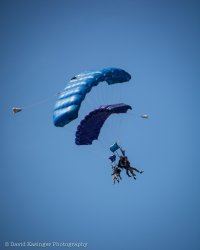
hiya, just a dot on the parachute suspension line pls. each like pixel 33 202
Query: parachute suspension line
pixel 98 93
pixel 99 97
pixel 109 97
pixel 117 153
pixel 118 132
pixel 115 125
pixel 120 126
pixel 101 94
pixel 16 110
pixel 93 98
pixel 40 102
pixel 91 101
pixel 113 97
pixel 104 94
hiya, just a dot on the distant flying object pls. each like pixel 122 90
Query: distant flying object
pixel 16 110
pixel 144 116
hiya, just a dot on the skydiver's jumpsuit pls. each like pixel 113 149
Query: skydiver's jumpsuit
pixel 116 174
pixel 126 165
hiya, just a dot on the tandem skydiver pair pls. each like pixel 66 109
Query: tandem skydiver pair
pixel 123 164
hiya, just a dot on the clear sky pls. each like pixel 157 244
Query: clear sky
pixel 53 190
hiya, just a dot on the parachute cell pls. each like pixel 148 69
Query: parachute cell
pixel 69 101
pixel 89 128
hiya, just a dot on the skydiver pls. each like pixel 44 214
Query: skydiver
pixel 116 174
pixel 124 163
pixel 131 169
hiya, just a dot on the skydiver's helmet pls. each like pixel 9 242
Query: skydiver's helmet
pixel 122 158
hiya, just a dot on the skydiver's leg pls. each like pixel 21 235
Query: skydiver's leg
pixel 129 168
pixel 118 176
pixel 137 170
pixel 113 178
pixel 127 172
pixel 132 174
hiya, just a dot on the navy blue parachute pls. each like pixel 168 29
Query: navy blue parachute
pixel 70 99
pixel 89 128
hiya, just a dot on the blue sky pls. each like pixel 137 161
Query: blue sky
pixel 53 190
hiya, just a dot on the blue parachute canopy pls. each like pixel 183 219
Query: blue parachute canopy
pixel 112 158
pixel 70 99
pixel 89 128
pixel 114 147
